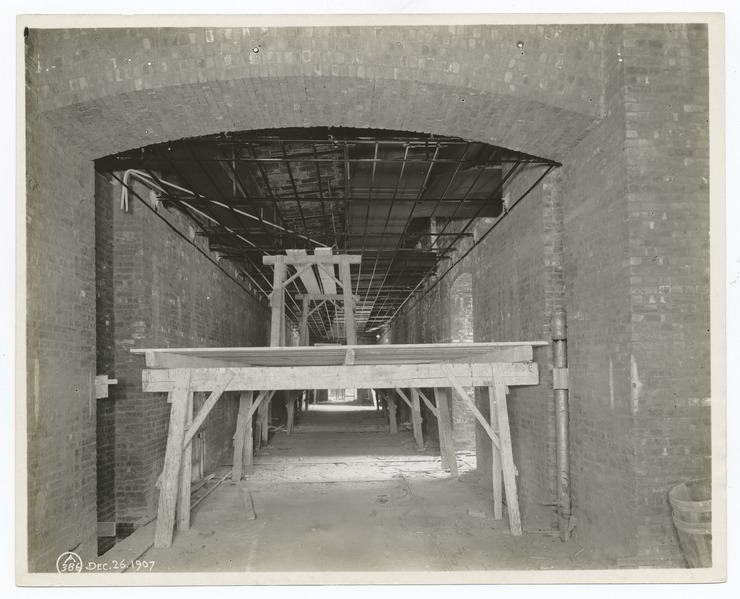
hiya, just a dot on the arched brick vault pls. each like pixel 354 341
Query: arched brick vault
pixel 120 89
pixel 138 119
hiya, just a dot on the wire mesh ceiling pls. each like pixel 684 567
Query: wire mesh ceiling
pixel 405 202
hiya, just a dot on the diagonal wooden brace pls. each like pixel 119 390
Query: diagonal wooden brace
pixel 209 404
pixel 404 398
pixel 430 405
pixel 469 402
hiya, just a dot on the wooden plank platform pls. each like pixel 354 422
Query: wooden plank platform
pixel 437 353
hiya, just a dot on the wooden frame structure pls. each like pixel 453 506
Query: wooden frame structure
pixel 386 368
pixel 302 263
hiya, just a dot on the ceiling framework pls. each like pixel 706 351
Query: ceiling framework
pixel 405 202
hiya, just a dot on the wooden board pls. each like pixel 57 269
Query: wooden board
pixel 308 259
pixel 346 377
pixel 328 355
pixel 308 278
pixel 327 282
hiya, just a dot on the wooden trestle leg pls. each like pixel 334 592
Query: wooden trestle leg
pixel 243 437
pixel 447 444
pixel 181 397
pixel 507 458
pixel 290 405
pixel 416 418
pixel 392 413
pixel 186 471
pixel 496 472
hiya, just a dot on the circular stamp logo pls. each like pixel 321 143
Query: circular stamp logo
pixel 69 562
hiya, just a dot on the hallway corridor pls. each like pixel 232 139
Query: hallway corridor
pixel 343 494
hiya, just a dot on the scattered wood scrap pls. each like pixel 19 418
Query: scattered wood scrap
pixel 248 503
pixel 199 483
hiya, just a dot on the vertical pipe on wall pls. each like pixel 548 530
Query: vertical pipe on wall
pixel 562 412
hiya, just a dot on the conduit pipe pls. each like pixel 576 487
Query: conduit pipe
pixel 147 180
pixel 562 418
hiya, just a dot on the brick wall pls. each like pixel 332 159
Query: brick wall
pixel 667 167
pixel 164 293
pixel 60 346
pixel 461 299
pixel 636 224
pixel 461 331
pixel 514 300
pixel 595 220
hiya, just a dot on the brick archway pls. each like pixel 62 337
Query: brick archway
pixel 114 90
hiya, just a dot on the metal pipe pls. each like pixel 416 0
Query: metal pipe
pixel 562 417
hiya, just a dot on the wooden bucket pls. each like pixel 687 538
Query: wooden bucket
pixel 692 516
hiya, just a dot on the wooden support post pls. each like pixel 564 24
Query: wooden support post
pixel 349 304
pixel 445 429
pixel 303 327
pixel 496 471
pixel 277 302
pixel 173 456
pixel 416 418
pixel 240 439
pixel 186 473
pixel 507 458
pixel 265 423
pixel 290 405
pixel 258 418
pixel 392 413
pixel 248 453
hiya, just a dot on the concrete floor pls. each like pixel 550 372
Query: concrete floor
pixel 342 494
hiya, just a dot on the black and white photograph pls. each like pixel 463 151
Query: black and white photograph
pixel 363 299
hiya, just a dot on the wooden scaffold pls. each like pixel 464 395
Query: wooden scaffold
pixel 258 372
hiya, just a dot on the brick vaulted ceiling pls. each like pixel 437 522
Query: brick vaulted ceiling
pixel 404 201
